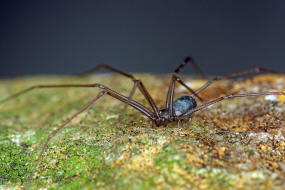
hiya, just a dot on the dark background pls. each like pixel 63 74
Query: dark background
pixel 66 37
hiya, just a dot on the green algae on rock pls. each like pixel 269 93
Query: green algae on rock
pixel 14 162
pixel 235 144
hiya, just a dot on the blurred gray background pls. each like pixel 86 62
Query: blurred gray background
pixel 67 37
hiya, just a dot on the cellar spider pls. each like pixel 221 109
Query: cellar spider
pixel 177 110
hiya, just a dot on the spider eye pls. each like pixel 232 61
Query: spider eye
pixel 184 104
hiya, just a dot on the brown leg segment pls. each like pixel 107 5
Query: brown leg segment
pixel 254 70
pixel 178 79
pixel 187 60
pixel 55 132
pixel 140 84
pixel 108 68
pixel 108 91
pixel 170 95
pixel 125 107
pixel 190 60
pixel 175 77
pixel 229 97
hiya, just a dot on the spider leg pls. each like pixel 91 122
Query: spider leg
pixel 108 68
pixel 117 71
pixel 126 105
pixel 170 94
pixel 108 91
pixel 55 132
pixel 141 87
pixel 216 100
pixel 187 60
pixel 175 77
pixel 145 111
pixel 178 79
pixel 228 76
pixel 139 83
pixel 190 60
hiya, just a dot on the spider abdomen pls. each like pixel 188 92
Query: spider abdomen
pixel 184 104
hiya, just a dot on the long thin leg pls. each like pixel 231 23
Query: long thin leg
pixel 170 95
pixel 108 68
pixel 55 132
pixel 178 79
pixel 187 60
pixel 190 60
pixel 117 71
pixel 140 84
pixel 112 93
pixel 229 97
pixel 126 105
pixel 169 98
pixel 175 77
pixel 254 70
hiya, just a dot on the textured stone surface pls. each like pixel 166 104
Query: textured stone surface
pixel 235 144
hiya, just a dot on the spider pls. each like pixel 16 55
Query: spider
pixel 177 110
pixel 180 109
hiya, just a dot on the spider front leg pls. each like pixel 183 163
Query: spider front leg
pixel 108 68
pixel 175 77
pixel 170 96
pixel 190 60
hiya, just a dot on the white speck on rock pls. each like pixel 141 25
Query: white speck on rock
pixel 260 137
pixel 15 139
pixel 264 137
pixel 181 88
pixel 255 89
pixel 271 98
pixel 29 133
pixel 115 116
pixel 279 136
pixel 254 175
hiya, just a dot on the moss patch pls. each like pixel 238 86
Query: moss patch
pixel 15 166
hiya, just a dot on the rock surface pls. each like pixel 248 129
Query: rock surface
pixel 235 144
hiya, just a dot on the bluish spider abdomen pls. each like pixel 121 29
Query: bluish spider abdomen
pixel 184 104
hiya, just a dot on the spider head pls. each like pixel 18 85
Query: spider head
pixel 183 104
